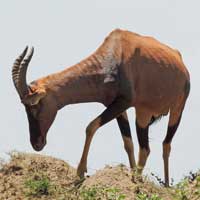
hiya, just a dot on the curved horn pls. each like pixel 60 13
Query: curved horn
pixel 19 72
pixel 15 68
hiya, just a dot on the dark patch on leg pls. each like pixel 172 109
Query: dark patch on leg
pixel 124 126
pixel 171 130
pixel 126 135
pixel 142 135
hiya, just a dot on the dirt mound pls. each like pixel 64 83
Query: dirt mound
pixel 32 177
pixel 16 176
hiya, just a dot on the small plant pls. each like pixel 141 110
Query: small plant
pixel 182 190
pixel 89 193
pixel 96 192
pixel 160 181
pixel 37 186
pixel 197 187
pixel 188 188
pixel 113 194
pixel 143 196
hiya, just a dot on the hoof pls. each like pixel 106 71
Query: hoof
pixel 81 171
pixel 166 185
pixel 78 182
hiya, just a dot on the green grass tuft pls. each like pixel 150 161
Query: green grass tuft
pixel 144 196
pixel 97 192
pixel 38 185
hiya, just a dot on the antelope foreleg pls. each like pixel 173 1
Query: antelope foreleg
pixel 111 112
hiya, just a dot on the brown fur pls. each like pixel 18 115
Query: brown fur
pixel 127 70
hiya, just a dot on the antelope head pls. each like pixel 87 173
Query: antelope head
pixel 40 105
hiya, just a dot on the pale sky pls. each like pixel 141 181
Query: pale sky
pixel 64 32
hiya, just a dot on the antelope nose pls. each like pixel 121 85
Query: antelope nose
pixel 39 146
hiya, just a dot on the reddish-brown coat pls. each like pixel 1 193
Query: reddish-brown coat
pixel 127 70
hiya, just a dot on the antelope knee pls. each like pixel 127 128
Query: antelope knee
pixel 145 151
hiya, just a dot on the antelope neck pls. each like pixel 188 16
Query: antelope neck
pixel 88 81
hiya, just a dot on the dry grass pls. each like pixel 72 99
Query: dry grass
pixel 32 177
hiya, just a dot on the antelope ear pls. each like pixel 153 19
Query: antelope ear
pixel 34 98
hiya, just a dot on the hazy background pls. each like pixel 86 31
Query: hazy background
pixel 63 33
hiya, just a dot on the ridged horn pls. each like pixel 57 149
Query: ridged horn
pixel 15 68
pixel 19 72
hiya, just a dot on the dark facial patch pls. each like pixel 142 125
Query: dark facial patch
pixel 142 135
pixel 34 126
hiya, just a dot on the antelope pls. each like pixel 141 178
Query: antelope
pixel 127 70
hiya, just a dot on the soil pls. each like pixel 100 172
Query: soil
pixel 34 177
